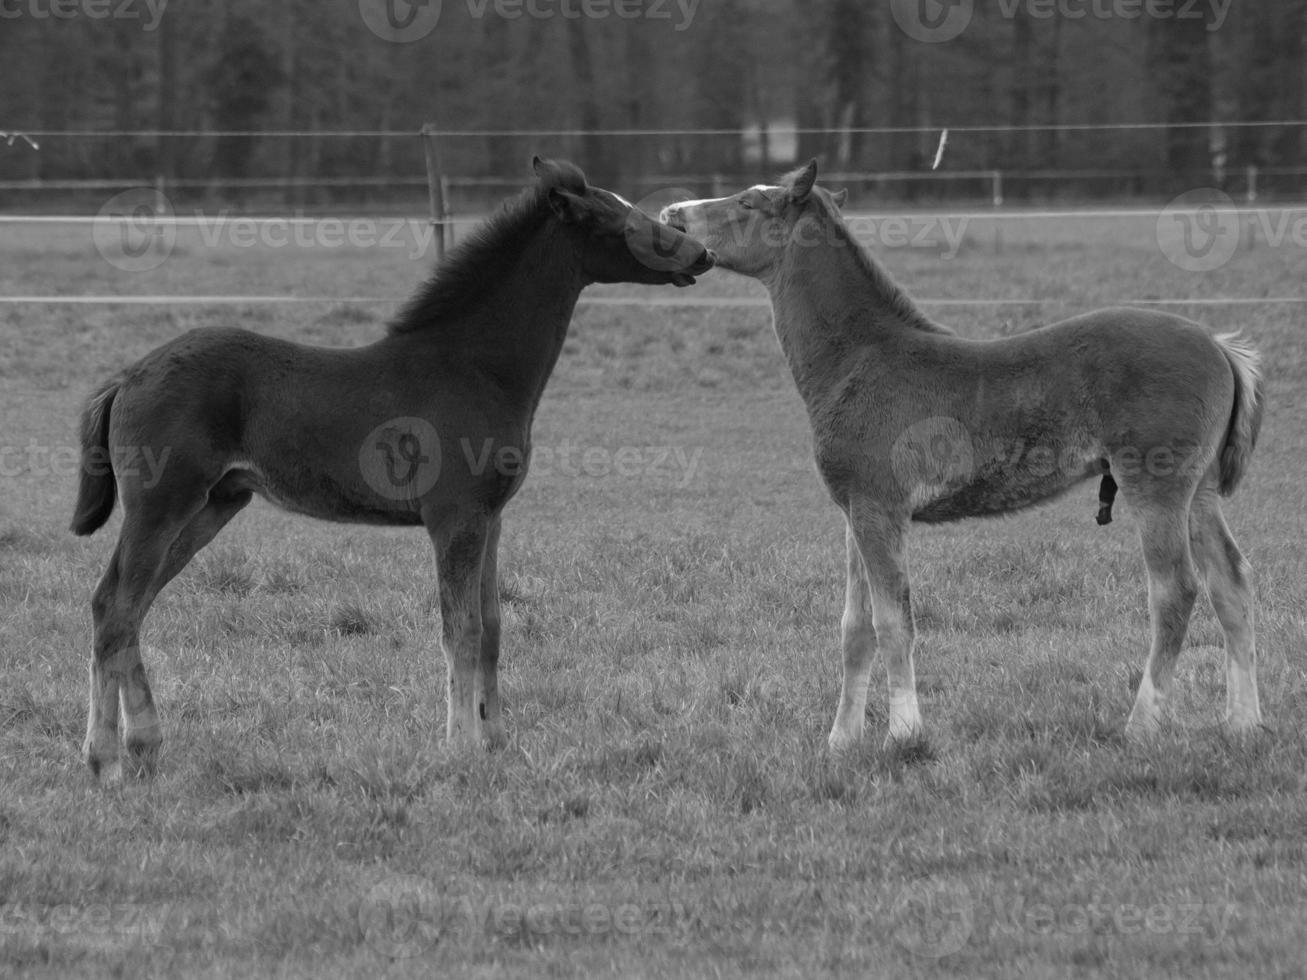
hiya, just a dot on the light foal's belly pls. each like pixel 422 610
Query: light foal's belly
pixel 989 476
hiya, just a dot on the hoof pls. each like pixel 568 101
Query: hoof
pixel 1246 729
pixel 904 734
pixel 142 758
pixel 841 743
pixel 1141 733
pixel 105 772
pixel 103 766
pixel 909 751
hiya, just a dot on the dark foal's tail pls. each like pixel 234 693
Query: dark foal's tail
pixel 96 489
pixel 1246 415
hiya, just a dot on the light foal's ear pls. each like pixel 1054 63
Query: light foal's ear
pixel 803 183
pixel 840 197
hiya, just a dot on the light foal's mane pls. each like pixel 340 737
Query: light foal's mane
pixel 890 294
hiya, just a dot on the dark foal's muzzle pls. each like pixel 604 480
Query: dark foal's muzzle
pixel 705 262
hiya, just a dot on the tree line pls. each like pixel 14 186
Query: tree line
pixel 831 68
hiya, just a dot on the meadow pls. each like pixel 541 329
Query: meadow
pixel 672 576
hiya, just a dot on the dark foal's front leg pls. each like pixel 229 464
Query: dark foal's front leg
pixel 460 543
pixel 488 707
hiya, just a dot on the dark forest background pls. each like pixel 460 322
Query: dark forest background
pixel 828 66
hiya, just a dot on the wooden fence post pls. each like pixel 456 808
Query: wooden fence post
pixel 436 186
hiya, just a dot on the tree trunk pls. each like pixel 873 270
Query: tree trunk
pixel 167 117
pixel 904 94
pixel 593 151
pixel 638 155
pixel 1053 98
pixel 1179 50
pixel 850 64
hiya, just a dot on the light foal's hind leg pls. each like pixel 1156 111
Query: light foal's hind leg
pixel 488 706
pixel 1227 577
pixel 460 543
pixel 1172 589
pixel 879 539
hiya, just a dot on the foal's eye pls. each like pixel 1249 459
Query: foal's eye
pixel 747 205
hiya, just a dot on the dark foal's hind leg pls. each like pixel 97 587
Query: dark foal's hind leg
pixel 1227 576
pixel 488 705
pixel 118 676
pixel 147 557
pixel 460 543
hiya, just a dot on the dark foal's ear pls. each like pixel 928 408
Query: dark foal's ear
pixel 570 208
pixel 542 168
pixel 803 183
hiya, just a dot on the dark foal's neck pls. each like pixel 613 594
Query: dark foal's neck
pixel 829 298
pixel 512 328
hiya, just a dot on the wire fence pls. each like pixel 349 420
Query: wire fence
pixel 55 169
pixel 451 199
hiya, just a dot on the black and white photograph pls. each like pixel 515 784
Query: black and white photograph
pixel 653 488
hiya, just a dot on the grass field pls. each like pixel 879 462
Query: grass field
pixel 673 585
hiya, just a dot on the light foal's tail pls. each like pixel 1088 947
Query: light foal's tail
pixel 1246 414
pixel 96 488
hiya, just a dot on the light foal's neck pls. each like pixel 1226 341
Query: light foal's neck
pixel 829 298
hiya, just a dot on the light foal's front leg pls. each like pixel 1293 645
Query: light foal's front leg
pixel 879 539
pixel 858 640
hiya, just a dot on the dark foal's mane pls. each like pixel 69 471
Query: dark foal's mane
pixel 899 302
pixel 478 263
